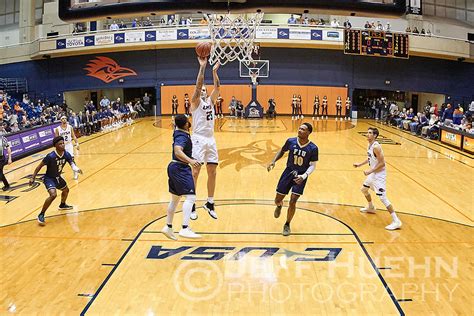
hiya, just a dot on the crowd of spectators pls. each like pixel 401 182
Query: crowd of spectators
pixel 16 115
pixel 425 123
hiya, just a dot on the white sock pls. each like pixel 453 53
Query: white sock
pixel 210 200
pixel 394 217
pixel 371 205
pixel 187 208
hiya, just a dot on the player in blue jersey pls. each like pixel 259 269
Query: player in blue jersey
pixel 54 162
pixel 302 157
pixel 180 178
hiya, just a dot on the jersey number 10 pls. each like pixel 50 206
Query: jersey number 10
pixel 298 160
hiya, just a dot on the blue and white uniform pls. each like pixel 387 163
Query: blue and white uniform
pixel 299 159
pixel 180 177
pixel 54 166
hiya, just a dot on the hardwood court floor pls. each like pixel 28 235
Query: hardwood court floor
pixel 108 257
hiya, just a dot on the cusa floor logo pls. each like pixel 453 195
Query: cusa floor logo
pixel 217 253
pixel 107 69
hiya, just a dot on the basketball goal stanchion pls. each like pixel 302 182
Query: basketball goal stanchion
pixel 232 37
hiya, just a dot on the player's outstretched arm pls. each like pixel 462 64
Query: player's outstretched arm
pixel 38 168
pixel 217 83
pixel 179 153
pixel 199 83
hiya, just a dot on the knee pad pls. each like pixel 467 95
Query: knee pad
pixel 384 199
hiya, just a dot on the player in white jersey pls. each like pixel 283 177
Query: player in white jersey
pixel 376 178
pixel 204 143
pixel 67 132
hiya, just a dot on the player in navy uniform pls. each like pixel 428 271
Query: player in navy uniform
pixel 54 163
pixel 302 157
pixel 180 178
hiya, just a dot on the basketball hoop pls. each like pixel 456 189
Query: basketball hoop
pixel 232 37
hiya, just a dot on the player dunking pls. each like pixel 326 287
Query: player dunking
pixel 302 157
pixel 204 143
pixel 52 180
pixel 67 132
pixel 376 178
pixel 180 178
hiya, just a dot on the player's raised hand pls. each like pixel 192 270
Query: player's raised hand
pixel 270 166
pixel 202 61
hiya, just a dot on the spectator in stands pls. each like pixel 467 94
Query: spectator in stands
pixel 306 21
pixel 367 25
pixel 388 27
pixel 347 24
pixel 122 25
pixel 415 31
pixel 457 115
pixel 423 31
pixel 312 22
pixel 408 30
pixel 172 20
pixel 431 124
pixel 322 22
pixel 335 23
pixel 114 26
pixel 182 21
pixel 448 114
pixel 379 26
pixel 292 19
pixel 105 102
pixel 203 21
pixel 15 128
pixel 147 22
pixel 75 122
pixel 428 32
pixel 162 22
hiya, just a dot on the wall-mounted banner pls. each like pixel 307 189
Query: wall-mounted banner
pixel 415 7
pixel 104 39
pixel 267 32
pixel 183 34
pixel 89 40
pixel 300 34
pixel 32 139
pixel 199 33
pixel 119 38
pixel 317 35
pixel 167 35
pixel 283 33
pixel 335 36
pixel 150 36
pixel 61 43
pixel 75 42
pixel 134 37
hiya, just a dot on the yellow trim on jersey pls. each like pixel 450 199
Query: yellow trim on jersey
pixel 302 146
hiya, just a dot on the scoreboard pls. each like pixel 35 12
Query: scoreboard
pixel 376 43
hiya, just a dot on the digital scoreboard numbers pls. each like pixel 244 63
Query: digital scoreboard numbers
pixel 376 43
pixel 352 42
pixel 400 45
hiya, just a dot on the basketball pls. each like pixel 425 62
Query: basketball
pixel 203 50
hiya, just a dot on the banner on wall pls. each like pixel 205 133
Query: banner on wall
pixel 31 140
pixel 330 35
pixel 264 32
pixel 167 35
pixel 134 37
pixel 414 7
pixel 105 39
pixel 267 32
pixel 75 42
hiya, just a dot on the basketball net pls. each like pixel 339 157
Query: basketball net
pixel 232 37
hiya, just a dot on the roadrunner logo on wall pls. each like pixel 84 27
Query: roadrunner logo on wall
pixel 107 69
